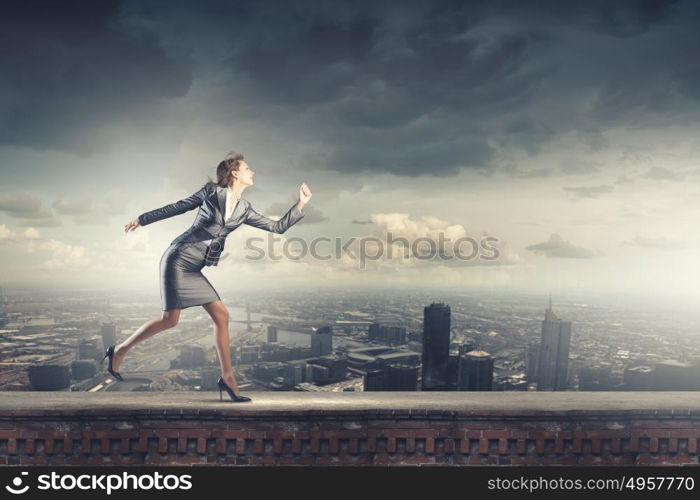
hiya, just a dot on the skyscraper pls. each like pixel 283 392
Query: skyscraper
pixel 453 372
pixel 393 377
pixel 322 341
pixel 465 347
pixel 374 331
pixel 109 334
pixel 271 333
pixel 475 371
pixel 553 362
pixel 532 356
pixel 375 380
pixel 3 316
pixel 400 377
pixel 436 346
pixel 382 333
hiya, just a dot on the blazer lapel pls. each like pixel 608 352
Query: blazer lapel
pixel 236 210
pixel 221 196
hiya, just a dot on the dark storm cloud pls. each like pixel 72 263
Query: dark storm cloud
pixel 390 95
pixel 558 247
pixel 520 173
pixel 70 74
pixel 407 88
pixel 621 19
pixel 576 166
pixel 430 88
pixel 594 138
pixel 27 208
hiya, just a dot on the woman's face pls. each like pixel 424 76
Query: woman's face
pixel 245 174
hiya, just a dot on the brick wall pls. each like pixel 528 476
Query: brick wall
pixel 83 429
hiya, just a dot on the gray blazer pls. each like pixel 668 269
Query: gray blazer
pixel 209 224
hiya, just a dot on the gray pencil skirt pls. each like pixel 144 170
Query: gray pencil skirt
pixel 182 283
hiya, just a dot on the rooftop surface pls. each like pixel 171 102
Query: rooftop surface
pixel 327 403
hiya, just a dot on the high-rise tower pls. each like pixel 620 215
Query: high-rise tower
pixel 322 341
pixel 475 371
pixel 436 346
pixel 553 362
pixel 109 334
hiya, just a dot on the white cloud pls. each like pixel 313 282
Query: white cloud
pixel 64 256
pixel 31 233
pixel 6 233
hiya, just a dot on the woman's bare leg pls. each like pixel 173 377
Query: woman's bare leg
pixel 218 312
pixel 148 329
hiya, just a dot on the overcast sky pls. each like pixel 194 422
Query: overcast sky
pixel 567 131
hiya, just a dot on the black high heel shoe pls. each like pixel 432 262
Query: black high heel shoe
pixel 223 387
pixel 110 354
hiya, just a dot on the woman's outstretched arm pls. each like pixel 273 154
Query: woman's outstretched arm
pixel 293 215
pixel 177 208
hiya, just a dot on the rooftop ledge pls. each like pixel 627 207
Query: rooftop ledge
pixel 350 428
pixel 294 404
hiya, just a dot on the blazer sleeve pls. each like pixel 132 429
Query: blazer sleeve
pixel 292 216
pixel 177 208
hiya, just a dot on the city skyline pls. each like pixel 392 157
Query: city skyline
pixel 614 346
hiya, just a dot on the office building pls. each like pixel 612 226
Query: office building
pixel 595 378
pixel 109 335
pixel 436 347
pixel 639 378
pixel 399 377
pixel 553 362
pixel 82 369
pixel 453 372
pixel 532 358
pixel 374 380
pixel 322 341
pixel 390 334
pixel 676 376
pixel 272 333
pixel 475 371
pixel 49 377
pixel 191 356
pixel 90 349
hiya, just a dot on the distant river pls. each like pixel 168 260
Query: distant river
pixel 283 336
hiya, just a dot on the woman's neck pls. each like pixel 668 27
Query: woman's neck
pixel 236 190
